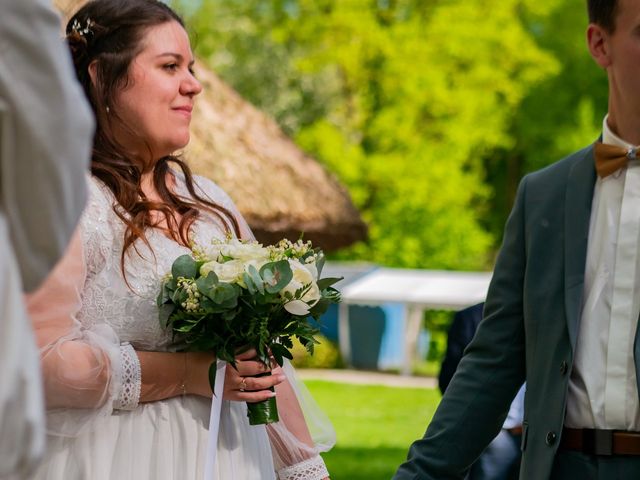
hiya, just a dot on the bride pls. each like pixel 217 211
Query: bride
pixel 121 404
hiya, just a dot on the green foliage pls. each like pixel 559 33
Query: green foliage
pixel 206 314
pixel 404 100
pixel 558 115
pixel 325 354
pixel 437 322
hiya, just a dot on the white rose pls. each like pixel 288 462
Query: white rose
pixel 212 251
pixel 208 267
pixel 313 269
pixel 257 264
pixel 228 272
pixel 302 277
pixel 244 251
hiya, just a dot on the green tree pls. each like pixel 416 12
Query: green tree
pixel 559 115
pixel 403 99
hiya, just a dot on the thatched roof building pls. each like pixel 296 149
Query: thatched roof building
pixel 281 191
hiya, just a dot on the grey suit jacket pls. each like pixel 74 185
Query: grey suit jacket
pixel 46 131
pixel 529 331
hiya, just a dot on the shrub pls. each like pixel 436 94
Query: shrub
pixel 325 355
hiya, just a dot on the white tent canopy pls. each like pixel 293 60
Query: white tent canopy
pixel 417 290
pixel 431 289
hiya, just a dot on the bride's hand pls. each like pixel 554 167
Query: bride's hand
pixel 241 385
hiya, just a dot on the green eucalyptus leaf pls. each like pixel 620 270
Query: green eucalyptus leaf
pixel 226 294
pixel 166 291
pixel 184 266
pixel 256 278
pixel 161 299
pixel 207 284
pixel 248 281
pixel 164 312
pixel 277 275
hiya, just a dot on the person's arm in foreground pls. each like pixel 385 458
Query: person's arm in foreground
pixel 476 402
pixel 46 133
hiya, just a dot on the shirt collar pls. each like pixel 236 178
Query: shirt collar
pixel 611 138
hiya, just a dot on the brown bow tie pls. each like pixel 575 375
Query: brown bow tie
pixel 610 158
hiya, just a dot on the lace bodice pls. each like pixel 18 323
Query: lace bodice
pixel 107 299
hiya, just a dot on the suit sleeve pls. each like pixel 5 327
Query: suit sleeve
pixel 492 370
pixel 46 130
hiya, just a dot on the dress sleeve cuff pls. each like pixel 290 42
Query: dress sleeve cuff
pixel 131 379
pixel 311 469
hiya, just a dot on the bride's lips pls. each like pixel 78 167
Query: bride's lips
pixel 184 110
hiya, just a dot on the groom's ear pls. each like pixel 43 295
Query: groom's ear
pixel 598 42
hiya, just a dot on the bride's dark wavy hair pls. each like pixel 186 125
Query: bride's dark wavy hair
pixel 110 33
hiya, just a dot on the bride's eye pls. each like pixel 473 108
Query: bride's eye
pixel 171 67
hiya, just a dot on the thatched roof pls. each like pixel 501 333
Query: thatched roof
pixel 281 191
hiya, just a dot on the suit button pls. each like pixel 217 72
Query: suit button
pixel 564 367
pixel 551 438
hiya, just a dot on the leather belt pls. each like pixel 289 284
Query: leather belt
pixel 515 430
pixel 600 442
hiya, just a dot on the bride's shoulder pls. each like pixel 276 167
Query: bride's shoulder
pixel 100 197
pixel 98 214
pixel 212 191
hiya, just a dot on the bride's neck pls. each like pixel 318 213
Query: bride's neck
pixel 148 187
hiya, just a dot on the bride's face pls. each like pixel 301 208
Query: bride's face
pixel 158 100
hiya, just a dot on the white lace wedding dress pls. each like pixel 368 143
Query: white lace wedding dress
pixel 98 430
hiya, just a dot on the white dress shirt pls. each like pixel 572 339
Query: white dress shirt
pixel 603 390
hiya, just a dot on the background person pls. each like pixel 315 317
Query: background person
pixel 501 459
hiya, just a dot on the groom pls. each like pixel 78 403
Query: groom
pixel 562 310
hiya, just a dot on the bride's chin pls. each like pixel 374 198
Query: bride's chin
pixel 176 146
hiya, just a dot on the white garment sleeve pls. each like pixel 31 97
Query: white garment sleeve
pixel 46 129
pixel 85 369
pixel 302 433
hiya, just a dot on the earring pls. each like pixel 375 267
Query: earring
pixel 108 109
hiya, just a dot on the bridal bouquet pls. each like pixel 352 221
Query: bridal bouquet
pixel 236 294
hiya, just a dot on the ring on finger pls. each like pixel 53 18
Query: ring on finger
pixel 243 384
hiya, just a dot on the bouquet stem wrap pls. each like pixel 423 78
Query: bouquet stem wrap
pixel 264 412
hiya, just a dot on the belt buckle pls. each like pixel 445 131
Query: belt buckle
pixel 598 442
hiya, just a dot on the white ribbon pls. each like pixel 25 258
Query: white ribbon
pixel 214 420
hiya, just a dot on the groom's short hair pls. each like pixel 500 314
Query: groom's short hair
pixel 603 12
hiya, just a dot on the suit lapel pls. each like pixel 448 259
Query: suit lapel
pixel 579 195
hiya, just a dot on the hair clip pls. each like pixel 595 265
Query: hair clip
pixel 82 31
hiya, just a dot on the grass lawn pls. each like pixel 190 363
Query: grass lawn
pixel 375 426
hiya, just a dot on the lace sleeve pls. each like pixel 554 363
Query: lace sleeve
pixel 131 381
pixel 82 363
pixel 303 432
pixel 310 469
